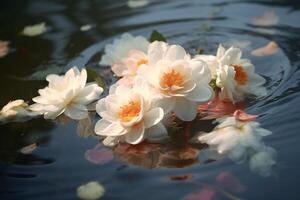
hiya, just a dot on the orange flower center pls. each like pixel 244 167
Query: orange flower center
pixel 129 111
pixel 142 62
pixel 241 76
pixel 138 64
pixel 171 78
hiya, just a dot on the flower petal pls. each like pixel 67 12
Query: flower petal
pixel 174 52
pixel 153 117
pixel 74 113
pixel 185 110
pixel 136 134
pixel 106 128
pixel 156 133
pixel 200 94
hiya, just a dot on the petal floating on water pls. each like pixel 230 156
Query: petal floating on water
pixel 34 30
pixel 270 49
pixel 90 191
pixel 4 48
pixel 269 18
pixel 28 149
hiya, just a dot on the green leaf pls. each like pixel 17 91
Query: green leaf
pixel 94 76
pixel 156 36
pixel 200 51
pixel 213 84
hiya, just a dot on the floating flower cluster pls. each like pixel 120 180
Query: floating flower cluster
pixel 157 81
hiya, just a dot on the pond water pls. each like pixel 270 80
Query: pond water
pixel 63 160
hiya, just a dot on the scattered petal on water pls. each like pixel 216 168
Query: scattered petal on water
pixel 99 155
pixel 206 193
pixel 137 3
pixel 86 27
pixel 269 18
pixel 4 48
pixel 184 177
pixel 28 149
pixel 34 30
pixel 90 191
pixel 270 49
pixel 242 116
pixel 228 181
pixel 217 108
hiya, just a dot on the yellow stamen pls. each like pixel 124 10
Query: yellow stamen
pixel 129 111
pixel 241 77
pixel 171 78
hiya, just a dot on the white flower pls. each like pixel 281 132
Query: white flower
pixel 236 135
pixel 263 161
pixel 234 75
pixel 181 82
pixel 129 114
pixel 16 110
pixel 90 191
pixel 129 67
pixel 126 55
pixel 68 94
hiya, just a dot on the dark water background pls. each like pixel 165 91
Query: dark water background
pixel 58 166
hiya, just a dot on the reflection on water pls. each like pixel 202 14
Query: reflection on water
pixel 58 163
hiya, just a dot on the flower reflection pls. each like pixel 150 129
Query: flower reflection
pixel 156 155
pixel 99 155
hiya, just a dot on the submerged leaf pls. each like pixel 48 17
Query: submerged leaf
pixel 269 18
pixel 34 30
pixel 270 49
pixel 90 191
pixel 156 36
pixel 94 76
pixel 4 48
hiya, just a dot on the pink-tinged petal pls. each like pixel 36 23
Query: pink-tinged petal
pixel 206 193
pixel 153 117
pixel 217 108
pixel 118 68
pixel 136 134
pixel 228 181
pixel 99 155
pixel 242 116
